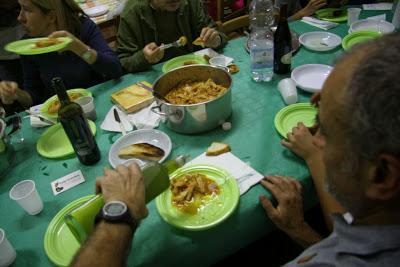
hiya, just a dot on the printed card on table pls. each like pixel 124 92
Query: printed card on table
pixel 66 182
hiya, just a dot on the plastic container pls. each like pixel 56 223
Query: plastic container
pixel 261 55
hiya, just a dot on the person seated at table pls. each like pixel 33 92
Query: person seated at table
pixel 148 24
pixel 360 145
pixel 85 62
pixel 296 11
pixel 360 141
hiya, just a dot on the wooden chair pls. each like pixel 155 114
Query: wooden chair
pixel 223 5
pixel 235 27
pixel 109 29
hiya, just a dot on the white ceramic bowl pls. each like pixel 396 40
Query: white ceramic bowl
pixel 320 41
pixel 372 25
pixel 150 136
pixel 311 77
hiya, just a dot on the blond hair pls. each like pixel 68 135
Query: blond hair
pixel 67 14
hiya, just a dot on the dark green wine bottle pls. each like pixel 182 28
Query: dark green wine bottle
pixel 282 44
pixel 76 126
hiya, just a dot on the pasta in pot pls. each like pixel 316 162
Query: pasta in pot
pixel 189 92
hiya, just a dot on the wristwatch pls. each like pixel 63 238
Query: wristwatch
pixel 116 212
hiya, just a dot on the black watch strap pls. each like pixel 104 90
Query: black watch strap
pixel 126 219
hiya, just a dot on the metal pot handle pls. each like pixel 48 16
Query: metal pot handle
pixel 159 112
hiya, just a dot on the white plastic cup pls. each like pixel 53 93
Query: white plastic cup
pixel 87 104
pixel 218 61
pixel 287 88
pixel 7 252
pixel 26 195
pixel 352 15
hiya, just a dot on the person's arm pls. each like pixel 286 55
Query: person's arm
pixel 129 50
pixel 301 142
pixel 110 243
pixel 94 50
pixel 107 246
pixel 288 214
pixel 206 27
pixel 308 10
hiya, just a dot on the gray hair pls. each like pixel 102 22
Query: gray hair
pixel 373 99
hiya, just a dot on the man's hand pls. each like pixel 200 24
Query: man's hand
pixel 312 6
pixel 288 214
pixel 8 92
pixel 301 142
pixel 153 53
pixel 125 184
pixel 210 37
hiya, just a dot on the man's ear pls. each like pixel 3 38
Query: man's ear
pixel 53 17
pixel 384 178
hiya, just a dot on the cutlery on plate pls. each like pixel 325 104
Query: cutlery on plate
pixel 118 119
pixel 31 114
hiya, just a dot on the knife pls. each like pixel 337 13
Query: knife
pixel 118 119
pixel 40 117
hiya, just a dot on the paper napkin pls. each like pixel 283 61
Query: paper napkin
pixel 322 24
pixel 110 124
pixel 378 6
pixel 36 122
pixel 245 175
pixel 211 53
pixel 145 118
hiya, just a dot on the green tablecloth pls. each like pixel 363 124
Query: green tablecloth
pixel 253 139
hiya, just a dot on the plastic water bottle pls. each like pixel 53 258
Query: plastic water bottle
pixel 261 42
pixel 261 14
pixel 261 55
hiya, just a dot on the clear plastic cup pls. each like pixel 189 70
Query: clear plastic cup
pixel 87 104
pixel 352 15
pixel 26 195
pixel 287 88
pixel 7 252
pixel 218 61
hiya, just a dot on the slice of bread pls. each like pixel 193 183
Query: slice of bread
pixel 142 151
pixel 134 97
pixel 217 148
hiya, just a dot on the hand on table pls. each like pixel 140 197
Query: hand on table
pixel 8 92
pixel 312 6
pixel 153 53
pixel 210 37
pixel 288 214
pixel 301 142
pixel 124 184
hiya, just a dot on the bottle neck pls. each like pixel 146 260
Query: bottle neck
pixel 59 88
pixel 283 13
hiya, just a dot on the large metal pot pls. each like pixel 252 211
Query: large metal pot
pixel 196 118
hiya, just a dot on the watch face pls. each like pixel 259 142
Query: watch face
pixel 114 208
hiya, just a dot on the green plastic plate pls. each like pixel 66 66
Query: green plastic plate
pixel 45 107
pixel 289 116
pixel 54 143
pixel 327 14
pixel 358 37
pixel 28 47
pixel 181 60
pixel 215 210
pixel 59 243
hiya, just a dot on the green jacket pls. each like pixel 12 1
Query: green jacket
pixel 137 29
